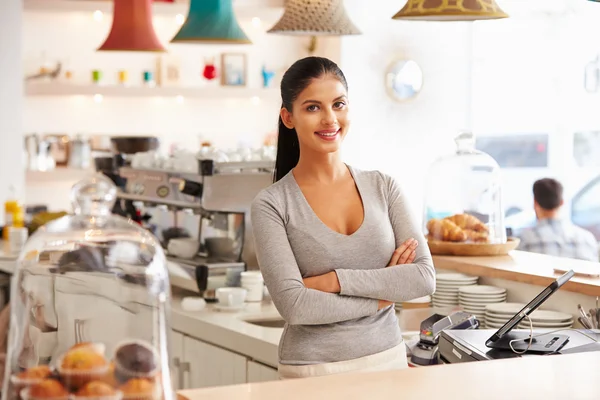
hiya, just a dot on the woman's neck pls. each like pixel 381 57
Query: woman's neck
pixel 326 168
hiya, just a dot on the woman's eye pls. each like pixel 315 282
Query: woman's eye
pixel 312 108
pixel 339 104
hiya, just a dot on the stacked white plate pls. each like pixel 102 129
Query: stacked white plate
pixel 474 299
pixel 447 286
pixel 496 315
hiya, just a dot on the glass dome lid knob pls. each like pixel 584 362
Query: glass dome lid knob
pixel 94 196
pixel 465 142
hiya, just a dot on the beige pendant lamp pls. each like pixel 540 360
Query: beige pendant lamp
pixel 315 18
pixel 450 10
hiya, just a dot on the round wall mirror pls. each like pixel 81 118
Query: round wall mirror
pixel 404 80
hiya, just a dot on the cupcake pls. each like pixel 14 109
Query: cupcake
pixel 135 360
pixel 140 389
pixel 98 347
pixel 81 365
pixel 98 390
pixel 47 389
pixel 39 372
pixel 30 377
pixel 110 377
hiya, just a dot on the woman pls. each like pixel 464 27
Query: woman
pixel 325 237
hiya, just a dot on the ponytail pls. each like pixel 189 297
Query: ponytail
pixel 288 151
pixel 294 81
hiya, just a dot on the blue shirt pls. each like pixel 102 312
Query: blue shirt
pixel 560 238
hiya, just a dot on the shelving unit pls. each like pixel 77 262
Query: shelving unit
pixel 209 92
pixel 57 174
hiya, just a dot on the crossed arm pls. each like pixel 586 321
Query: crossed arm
pixel 342 294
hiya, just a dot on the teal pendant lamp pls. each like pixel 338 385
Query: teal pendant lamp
pixel 211 21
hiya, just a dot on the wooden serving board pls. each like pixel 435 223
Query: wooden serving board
pixel 441 248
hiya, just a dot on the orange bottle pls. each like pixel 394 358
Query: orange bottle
pixel 13 214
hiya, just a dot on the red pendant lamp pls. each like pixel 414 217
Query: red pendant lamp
pixel 132 28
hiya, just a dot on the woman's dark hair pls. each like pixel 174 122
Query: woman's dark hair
pixel 295 80
pixel 548 193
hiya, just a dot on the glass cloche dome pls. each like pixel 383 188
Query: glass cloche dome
pixel 89 308
pixel 463 197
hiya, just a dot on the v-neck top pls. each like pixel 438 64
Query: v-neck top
pixel 293 243
pixel 317 218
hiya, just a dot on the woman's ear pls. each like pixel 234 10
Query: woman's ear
pixel 286 117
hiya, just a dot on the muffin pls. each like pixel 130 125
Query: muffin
pixel 98 390
pixel 35 373
pixel 47 389
pixel 98 347
pixel 30 377
pixel 110 377
pixel 135 360
pixel 81 365
pixel 139 389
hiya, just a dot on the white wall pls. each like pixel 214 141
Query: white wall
pixel 527 75
pixel 403 139
pixel 11 101
pixel 72 37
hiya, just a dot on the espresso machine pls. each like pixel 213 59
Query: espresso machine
pixel 219 195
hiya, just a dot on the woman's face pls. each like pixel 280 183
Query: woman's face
pixel 320 115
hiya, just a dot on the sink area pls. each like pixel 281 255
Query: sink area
pixel 267 323
pixel 409 320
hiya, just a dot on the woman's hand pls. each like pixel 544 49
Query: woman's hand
pixel 328 282
pixel 383 304
pixel 405 254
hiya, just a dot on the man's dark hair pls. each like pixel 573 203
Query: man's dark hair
pixel 548 193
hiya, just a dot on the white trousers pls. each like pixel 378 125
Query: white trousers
pixel 392 359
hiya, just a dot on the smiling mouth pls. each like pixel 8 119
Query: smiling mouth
pixel 329 134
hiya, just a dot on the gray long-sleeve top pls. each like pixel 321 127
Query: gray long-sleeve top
pixel 292 243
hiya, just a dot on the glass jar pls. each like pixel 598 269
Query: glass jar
pixel 463 196
pixel 90 302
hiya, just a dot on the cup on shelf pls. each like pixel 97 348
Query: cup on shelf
pixel 253 281
pixel 231 296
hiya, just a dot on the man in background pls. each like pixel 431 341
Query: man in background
pixel 553 235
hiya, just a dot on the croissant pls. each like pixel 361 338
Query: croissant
pixel 445 230
pixel 467 221
pixel 477 237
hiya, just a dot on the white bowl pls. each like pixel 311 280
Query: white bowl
pixel 183 247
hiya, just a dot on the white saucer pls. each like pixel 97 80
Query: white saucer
pixel 476 290
pixel 221 307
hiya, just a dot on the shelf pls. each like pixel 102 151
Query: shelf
pixel 57 174
pixel 159 8
pixel 211 92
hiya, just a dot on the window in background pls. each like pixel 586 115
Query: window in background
pixel 516 151
pixel 585 211
pixel 586 148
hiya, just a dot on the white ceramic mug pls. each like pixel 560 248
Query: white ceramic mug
pixel 231 296
pixel 17 238
pixel 254 283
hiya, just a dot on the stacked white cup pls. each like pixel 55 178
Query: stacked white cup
pixel 253 282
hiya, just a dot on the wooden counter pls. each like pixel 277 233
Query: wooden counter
pixel 572 377
pixel 520 266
